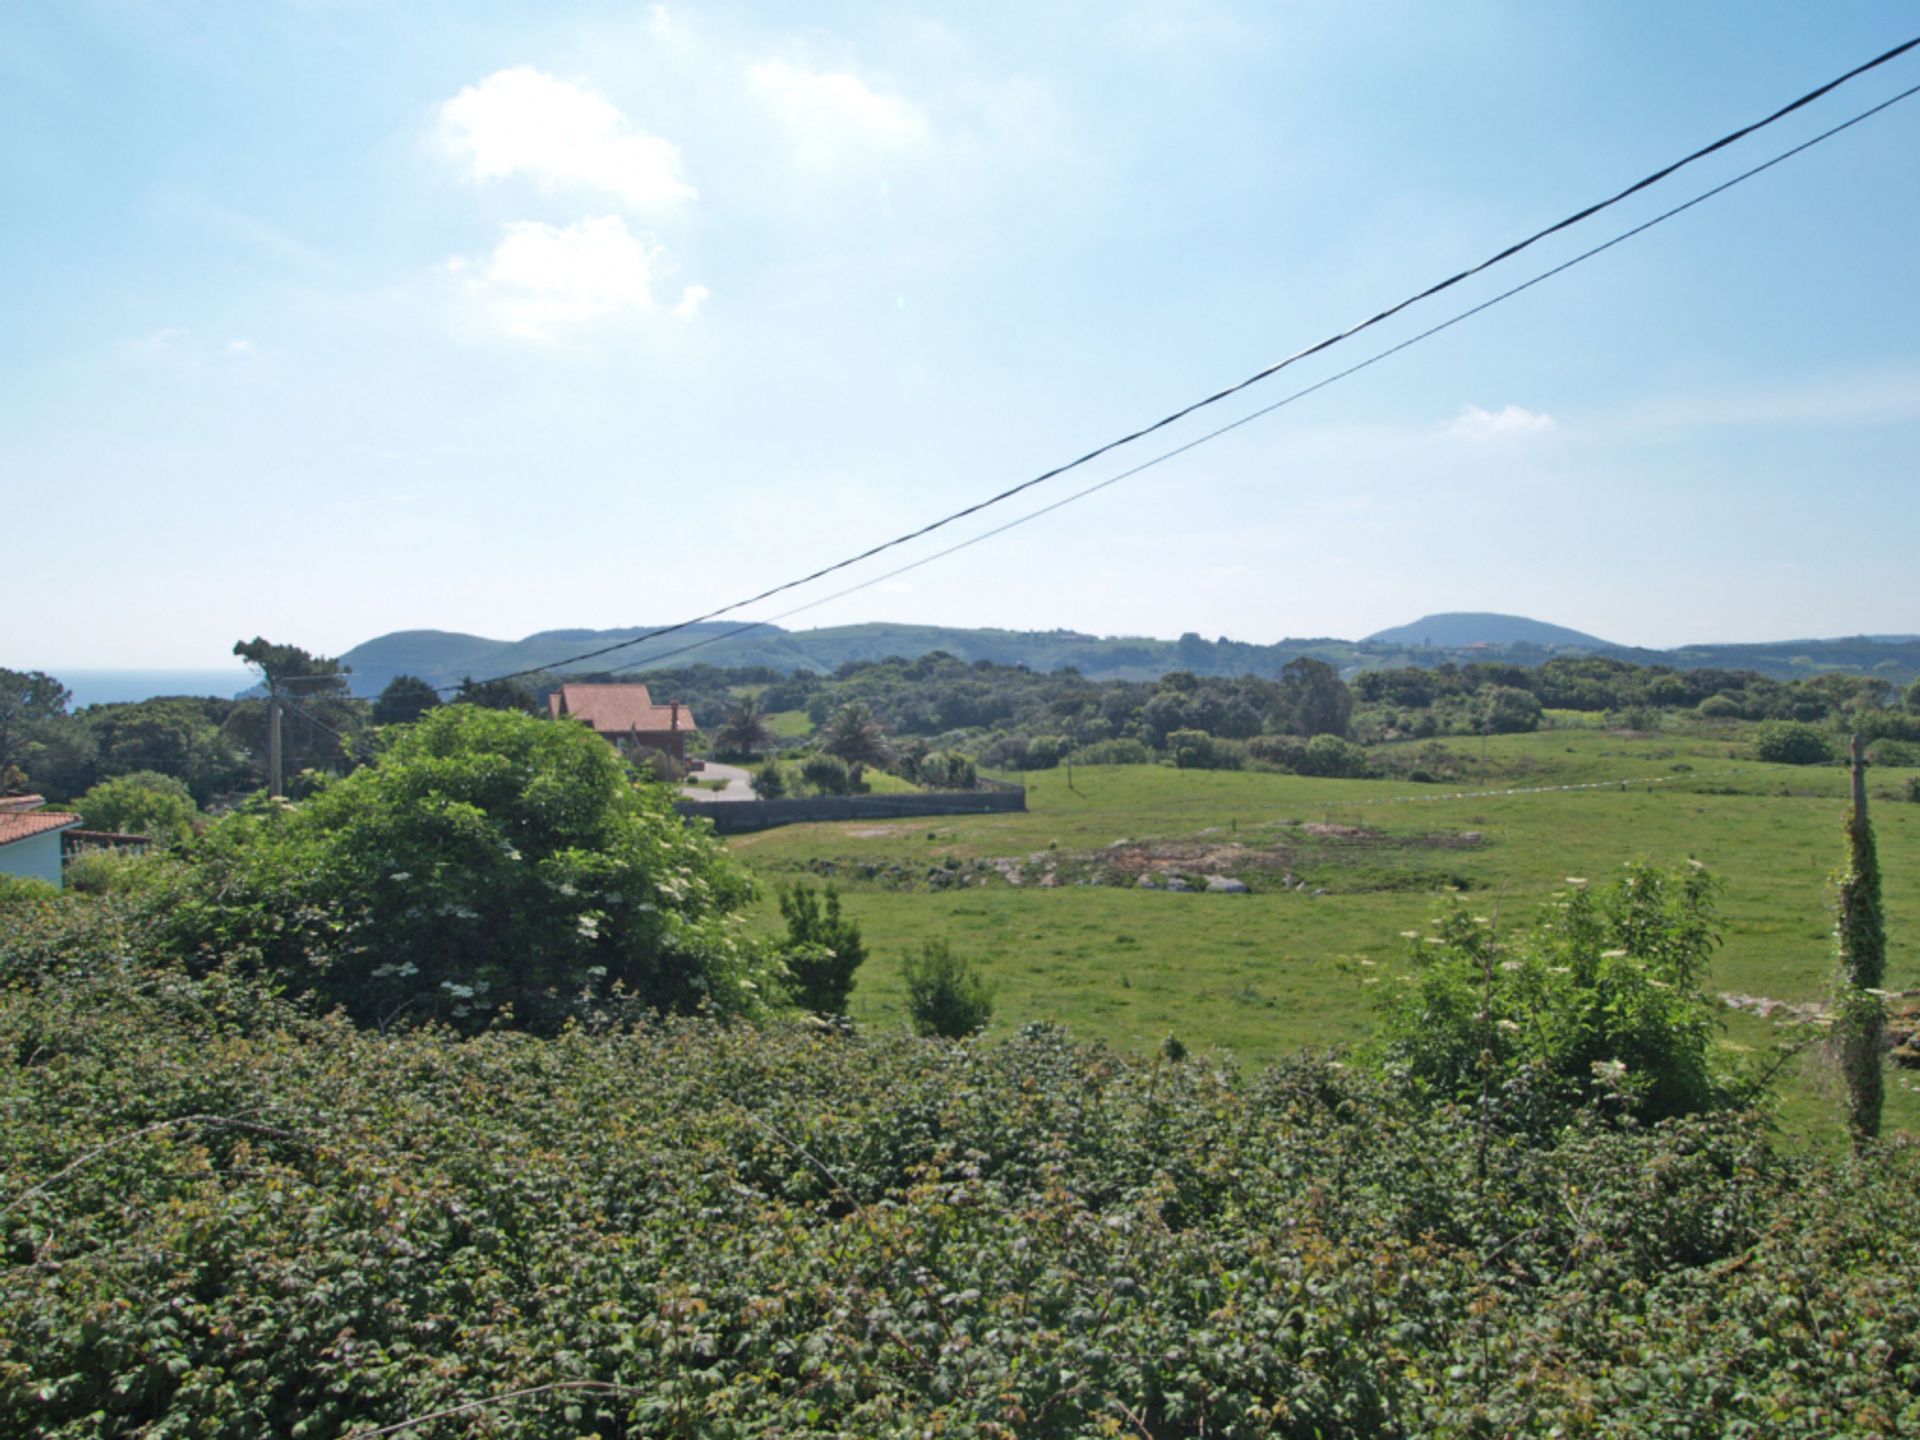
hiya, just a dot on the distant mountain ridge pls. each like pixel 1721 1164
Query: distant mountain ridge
pixel 444 657
pixel 1461 629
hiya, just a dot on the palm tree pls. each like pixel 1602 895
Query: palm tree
pixel 744 731
pixel 856 737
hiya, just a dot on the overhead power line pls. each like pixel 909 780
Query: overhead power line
pixel 1256 378
pixel 1285 400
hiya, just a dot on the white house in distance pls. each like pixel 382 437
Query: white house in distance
pixel 30 838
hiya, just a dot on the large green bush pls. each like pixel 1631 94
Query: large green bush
pixel 1790 742
pixel 488 861
pixel 143 803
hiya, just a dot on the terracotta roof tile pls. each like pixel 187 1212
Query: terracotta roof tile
pixel 15 826
pixel 619 709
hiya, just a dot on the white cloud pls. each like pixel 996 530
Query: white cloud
pixel 559 134
pixel 830 114
pixel 544 280
pixel 1474 423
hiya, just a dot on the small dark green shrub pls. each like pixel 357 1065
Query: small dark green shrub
pixel 1197 750
pixel 826 774
pixel 1113 752
pixel 1901 753
pixel 770 781
pixel 823 949
pixel 948 770
pixel 945 995
pixel 1791 742
pixel 1286 751
pixel 1913 788
pixel 1331 757
pixel 1508 710
pixel 1190 749
pixel 1044 752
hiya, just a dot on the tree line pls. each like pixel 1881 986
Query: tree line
pixel 941 714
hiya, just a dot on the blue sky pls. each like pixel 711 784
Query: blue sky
pixel 324 318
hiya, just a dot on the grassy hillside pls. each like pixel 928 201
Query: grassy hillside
pixel 1266 973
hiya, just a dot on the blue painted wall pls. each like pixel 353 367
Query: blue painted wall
pixel 37 857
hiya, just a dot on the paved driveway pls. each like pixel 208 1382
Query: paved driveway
pixel 739 784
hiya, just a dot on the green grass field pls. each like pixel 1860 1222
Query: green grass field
pixel 1267 973
pixel 790 724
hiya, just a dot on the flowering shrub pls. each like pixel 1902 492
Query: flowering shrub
pixel 1599 1000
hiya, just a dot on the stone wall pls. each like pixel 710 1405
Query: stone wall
pixel 732 817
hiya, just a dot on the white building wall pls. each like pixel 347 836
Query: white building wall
pixel 37 857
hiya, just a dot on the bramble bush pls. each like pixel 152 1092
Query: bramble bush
pixel 223 1215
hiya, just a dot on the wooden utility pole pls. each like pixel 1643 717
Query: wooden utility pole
pixel 275 787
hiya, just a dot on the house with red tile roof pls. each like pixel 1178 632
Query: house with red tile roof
pixel 627 717
pixel 30 839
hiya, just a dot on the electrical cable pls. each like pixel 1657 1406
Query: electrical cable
pixel 1231 390
pixel 315 720
pixel 1285 400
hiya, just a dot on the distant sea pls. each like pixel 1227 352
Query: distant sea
pixel 107 687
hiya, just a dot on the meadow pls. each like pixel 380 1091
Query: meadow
pixel 1291 965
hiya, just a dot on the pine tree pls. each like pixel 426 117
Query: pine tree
pixel 1859 1015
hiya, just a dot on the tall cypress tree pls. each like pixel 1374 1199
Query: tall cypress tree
pixel 1860 1016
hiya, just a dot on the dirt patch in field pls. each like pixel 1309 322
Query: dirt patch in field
pixel 1283 856
pixel 1131 859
